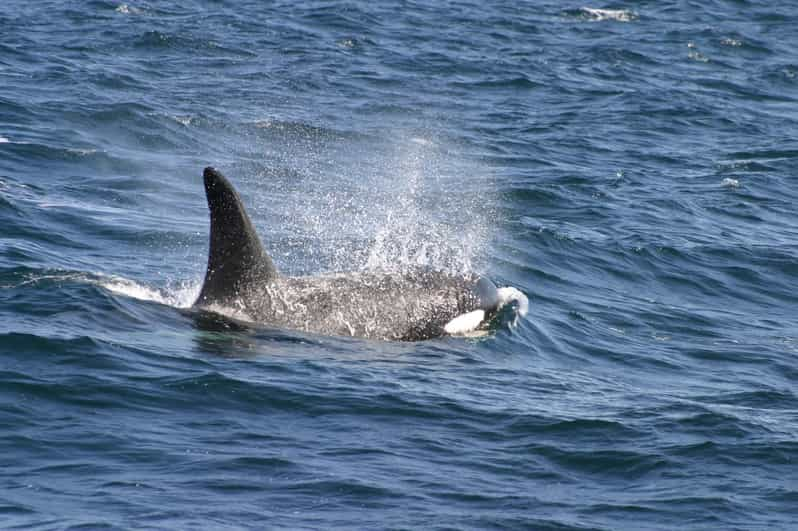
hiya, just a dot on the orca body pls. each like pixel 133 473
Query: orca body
pixel 241 278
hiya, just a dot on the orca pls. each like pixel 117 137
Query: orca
pixel 242 281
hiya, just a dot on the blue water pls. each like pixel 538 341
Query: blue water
pixel 631 167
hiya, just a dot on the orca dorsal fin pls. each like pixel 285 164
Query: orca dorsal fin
pixel 236 258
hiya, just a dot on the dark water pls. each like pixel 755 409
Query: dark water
pixel 632 170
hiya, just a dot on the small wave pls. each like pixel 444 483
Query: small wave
pixel 182 295
pixel 347 43
pixel 695 55
pixel 730 183
pixel 156 39
pixel 182 120
pixel 729 41
pixel 618 15
pixel 27 279
pixel 81 152
pixel 4 140
pixel 126 9
pixel 178 294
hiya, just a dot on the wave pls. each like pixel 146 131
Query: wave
pixel 181 295
pixel 596 14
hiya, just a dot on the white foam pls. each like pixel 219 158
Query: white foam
pixel 183 120
pixel 730 183
pixel 619 15
pixel 127 10
pixel 510 294
pixel 731 42
pixel 4 140
pixel 694 54
pixel 181 296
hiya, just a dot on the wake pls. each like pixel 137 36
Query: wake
pixel 181 295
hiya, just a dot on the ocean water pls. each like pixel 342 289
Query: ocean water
pixel 630 166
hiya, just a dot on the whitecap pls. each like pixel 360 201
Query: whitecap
pixel 619 15
pixel 182 120
pixel 125 9
pixel 698 56
pixel 694 54
pixel 4 140
pixel 728 182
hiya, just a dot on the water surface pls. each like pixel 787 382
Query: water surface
pixel 630 167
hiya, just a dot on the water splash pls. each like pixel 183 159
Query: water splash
pixel 390 204
pixel 428 221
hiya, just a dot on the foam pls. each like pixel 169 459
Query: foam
pixel 182 295
pixel 619 15
pixel 126 9
pixel 182 119
pixel 508 295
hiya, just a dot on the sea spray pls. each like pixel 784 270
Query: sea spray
pixel 403 202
